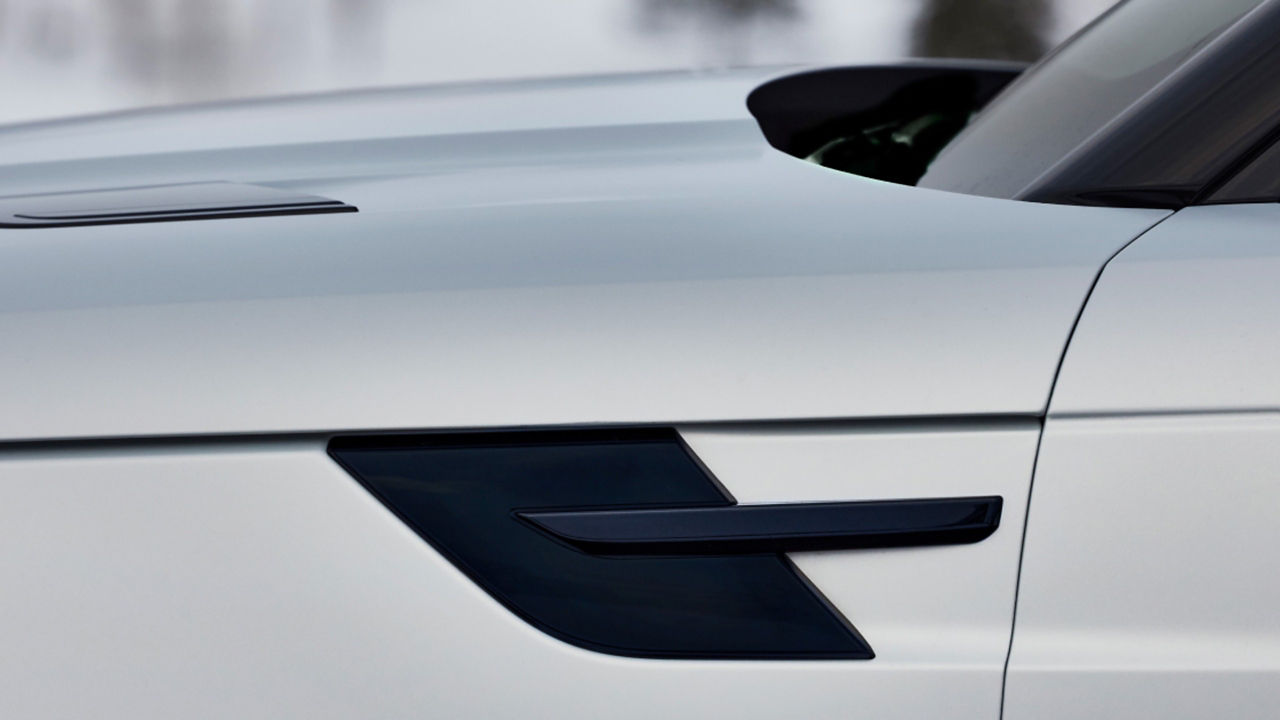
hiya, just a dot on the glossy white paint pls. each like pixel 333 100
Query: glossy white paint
pixel 617 251
pixel 1183 320
pixel 591 252
pixel 387 114
pixel 241 580
pixel 1150 578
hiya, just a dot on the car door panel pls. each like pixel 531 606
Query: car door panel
pixel 1149 576
pixel 1149 579
pixel 1182 320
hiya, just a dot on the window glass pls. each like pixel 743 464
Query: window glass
pixel 1070 95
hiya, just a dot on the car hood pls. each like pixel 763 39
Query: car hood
pixel 609 250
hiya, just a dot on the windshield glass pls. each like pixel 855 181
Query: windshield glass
pixel 1070 95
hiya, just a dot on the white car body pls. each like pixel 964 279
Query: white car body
pixel 610 252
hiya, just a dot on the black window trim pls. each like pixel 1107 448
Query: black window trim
pixel 1245 54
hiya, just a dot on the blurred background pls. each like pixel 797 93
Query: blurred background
pixel 69 57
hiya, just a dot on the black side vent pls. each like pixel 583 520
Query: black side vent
pixel 465 495
pixel 160 203
pixel 619 541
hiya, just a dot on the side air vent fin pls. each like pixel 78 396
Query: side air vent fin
pixel 620 541
pixel 465 494
pixel 160 203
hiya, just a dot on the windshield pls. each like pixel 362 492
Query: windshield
pixel 1072 94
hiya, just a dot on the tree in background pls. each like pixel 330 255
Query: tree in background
pixel 998 29
pixel 725 29
pixel 724 10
